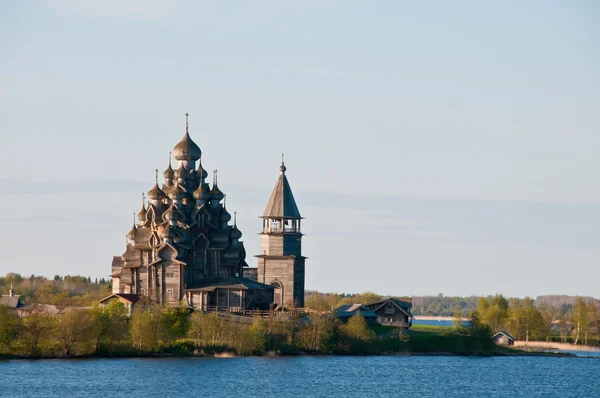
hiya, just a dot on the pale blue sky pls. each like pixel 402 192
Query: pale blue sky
pixel 443 147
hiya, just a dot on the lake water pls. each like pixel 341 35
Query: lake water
pixel 304 376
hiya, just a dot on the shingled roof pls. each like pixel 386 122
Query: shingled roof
pixel 282 203
pixel 227 282
pixel 10 301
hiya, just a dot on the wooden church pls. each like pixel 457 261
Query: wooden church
pixel 183 247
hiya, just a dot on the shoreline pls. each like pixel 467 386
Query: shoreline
pixel 230 355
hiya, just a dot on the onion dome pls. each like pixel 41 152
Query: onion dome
pixel 169 173
pixel 224 217
pixel 235 233
pixel 180 172
pixel 215 193
pixel 187 149
pixel 201 172
pixel 141 216
pixel 131 234
pixel 232 253
pixel 200 193
pixel 156 193
pixel 177 193
pixel 171 214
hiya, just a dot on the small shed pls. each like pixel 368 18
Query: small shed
pixel 344 312
pixel 503 338
pixel 128 300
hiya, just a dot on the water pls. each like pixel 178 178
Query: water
pixel 432 322
pixel 304 377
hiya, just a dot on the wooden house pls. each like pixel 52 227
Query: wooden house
pixel 503 338
pixel 392 312
pixel 128 300
pixel 345 312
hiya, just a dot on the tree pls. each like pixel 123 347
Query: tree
pixel 8 328
pixel 458 321
pixel 72 331
pixel 524 320
pixel 482 306
pixel 594 318
pixel 145 328
pixel 316 333
pixel 550 315
pixel 109 326
pixel 480 337
pixel 355 333
pixel 35 326
pixel 580 319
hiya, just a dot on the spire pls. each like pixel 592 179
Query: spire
pixel 156 177
pixel 282 168
pixel 235 218
pixel 187 126
pixel 282 203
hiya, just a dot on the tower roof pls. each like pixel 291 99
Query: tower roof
pixel 187 149
pixel 282 203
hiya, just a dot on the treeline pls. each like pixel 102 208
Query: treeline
pixel 524 320
pixel 62 291
pixel 107 331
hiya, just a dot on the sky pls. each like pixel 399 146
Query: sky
pixel 438 147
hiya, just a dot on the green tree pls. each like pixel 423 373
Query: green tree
pixel 316 333
pixel 458 321
pixel 146 328
pixel 580 319
pixel 110 328
pixel 482 306
pixel 550 316
pixel 525 322
pixel 8 329
pixel 72 330
pixel 35 327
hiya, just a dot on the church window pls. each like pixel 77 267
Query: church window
pixel 170 293
pixel 170 274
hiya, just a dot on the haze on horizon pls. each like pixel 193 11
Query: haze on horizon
pixel 431 148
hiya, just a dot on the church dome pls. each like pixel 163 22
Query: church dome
pixel 187 149
pixel 200 193
pixel 235 233
pixel 177 192
pixel 169 173
pixel 216 194
pixel 201 172
pixel 141 216
pixel 171 214
pixel 156 193
pixel 132 233
pixel 224 216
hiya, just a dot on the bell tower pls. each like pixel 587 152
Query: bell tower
pixel 281 263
